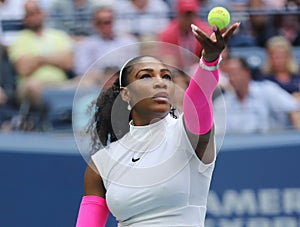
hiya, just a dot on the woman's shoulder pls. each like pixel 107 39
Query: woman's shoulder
pixel 108 148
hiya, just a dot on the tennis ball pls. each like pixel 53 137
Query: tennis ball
pixel 218 16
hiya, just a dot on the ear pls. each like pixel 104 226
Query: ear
pixel 125 94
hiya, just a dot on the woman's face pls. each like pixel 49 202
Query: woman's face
pixel 279 58
pixel 151 89
pixel 103 22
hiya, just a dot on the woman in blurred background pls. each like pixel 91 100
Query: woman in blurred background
pixel 281 66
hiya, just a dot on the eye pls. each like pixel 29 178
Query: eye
pixel 145 76
pixel 167 77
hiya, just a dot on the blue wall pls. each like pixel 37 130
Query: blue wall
pixel 255 183
pixel 40 189
pixel 256 188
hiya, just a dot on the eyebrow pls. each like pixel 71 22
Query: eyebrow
pixel 151 70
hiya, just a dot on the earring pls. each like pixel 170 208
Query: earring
pixel 172 112
pixel 128 106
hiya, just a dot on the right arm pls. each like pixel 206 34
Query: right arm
pixel 93 184
pixel 93 210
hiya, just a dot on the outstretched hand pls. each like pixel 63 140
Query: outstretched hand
pixel 214 44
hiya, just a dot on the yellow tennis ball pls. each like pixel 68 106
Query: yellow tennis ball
pixel 218 16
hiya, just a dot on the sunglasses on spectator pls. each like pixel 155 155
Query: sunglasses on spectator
pixel 103 22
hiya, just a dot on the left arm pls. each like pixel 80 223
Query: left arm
pixel 198 111
pixel 197 105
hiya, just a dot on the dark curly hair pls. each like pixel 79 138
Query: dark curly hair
pixel 111 117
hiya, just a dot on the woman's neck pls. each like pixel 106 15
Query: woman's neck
pixel 139 120
pixel 283 76
pixel 243 93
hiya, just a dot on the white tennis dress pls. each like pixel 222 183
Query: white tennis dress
pixel 153 177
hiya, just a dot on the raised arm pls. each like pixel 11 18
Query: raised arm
pixel 197 104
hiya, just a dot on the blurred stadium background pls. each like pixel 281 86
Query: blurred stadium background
pixel 256 181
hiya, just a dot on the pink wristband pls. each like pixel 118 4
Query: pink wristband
pixel 93 212
pixel 197 102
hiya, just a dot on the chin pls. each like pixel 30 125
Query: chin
pixel 162 109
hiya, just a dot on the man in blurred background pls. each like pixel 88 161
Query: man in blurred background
pixel 178 31
pixel 254 106
pixel 72 16
pixel 96 47
pixel 42 57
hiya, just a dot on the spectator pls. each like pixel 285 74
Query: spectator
pixel 254 106
pixel 6 112
pixel 278 4
pixel 281 67
pixel 292 4
pixel 224 80
pixel 238 5
pixel 257 28
pixel 141 17
pixel 288 25
pixel 8 104
pixel 232 5
pixel 82 110
pixel 3 100
pixel 178 31
pixel 3 97
pixel 72 16
pixel 11 13
pixel 101 43
pixel 42 57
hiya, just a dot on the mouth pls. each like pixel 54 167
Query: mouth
pixel 161 97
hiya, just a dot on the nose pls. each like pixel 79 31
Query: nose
pixel 160 82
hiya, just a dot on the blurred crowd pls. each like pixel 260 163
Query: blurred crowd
pixel 49 48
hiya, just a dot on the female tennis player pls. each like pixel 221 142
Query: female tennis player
pixel 156 169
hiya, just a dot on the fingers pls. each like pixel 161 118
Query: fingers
pixel 227 35
pixel 215 37
pixel 201 36
pixel 198 32
pixel 217 41
pixel 218 34
pixel 194 27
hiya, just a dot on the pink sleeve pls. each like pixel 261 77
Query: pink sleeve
pixel 93 212
pixel 197 102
